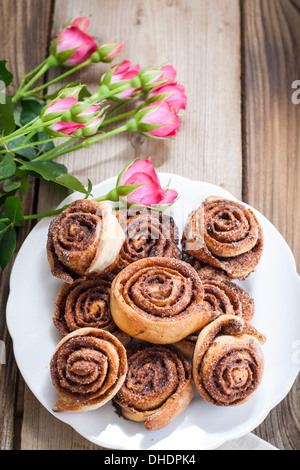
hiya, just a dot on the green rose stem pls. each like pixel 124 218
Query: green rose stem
pixel 26 77
pixel 35 125
pixel 130 125
pixel 22 145
pixel 21 91
pixel 113 195
pixel 25 94
pixel 120 116
pixel 32 144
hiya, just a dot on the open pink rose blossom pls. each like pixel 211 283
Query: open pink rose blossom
pixel 151 193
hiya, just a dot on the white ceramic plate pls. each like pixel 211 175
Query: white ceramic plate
pixel 275 287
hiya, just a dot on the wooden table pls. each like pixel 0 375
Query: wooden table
pixel 238 61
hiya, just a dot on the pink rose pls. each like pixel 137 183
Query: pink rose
pixel 169 72
pixel 72 46
pixel 158 120
pixel 150 76
pixel 172 92
pixel 63 128
pixel 57 108
pixel 83 114
pixel 109 51
pixel 151 193
pixel 121 73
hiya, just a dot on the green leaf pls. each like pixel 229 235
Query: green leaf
pixel 11 186
pixel 24 186
pixel 43 147
pixel 31 108
pixel 3 230
pixel 6 77
pixel 89 188
pixel 29 152
pixel 47 170
pixel 7 166
pixel 71 182
pixel 13 209
pixel 8 239
pixel 7 121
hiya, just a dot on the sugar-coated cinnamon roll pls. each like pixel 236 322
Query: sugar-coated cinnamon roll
pixel 148 233
pixel 225 296
pixel 222 297
pixel 228 361
pixel 224 234
pixel 84 240
pixel 87 369
pixel 86 303
pixel 159 300
pixel 158 385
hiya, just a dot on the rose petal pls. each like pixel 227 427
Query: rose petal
pixel 140 166
pixel 169 196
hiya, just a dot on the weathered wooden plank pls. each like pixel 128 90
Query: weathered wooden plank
pixel 201 39
pixel 208 145
pixel 272 148
pixel 23 46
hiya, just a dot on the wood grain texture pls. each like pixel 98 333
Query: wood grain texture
pixel 208 64
pixel 241 134
pixel 208 145
pixel 16 23
pixel 271 40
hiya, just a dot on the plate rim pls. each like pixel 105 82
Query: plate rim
pixel 222 440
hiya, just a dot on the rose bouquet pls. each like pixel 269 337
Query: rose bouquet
pixel 36 127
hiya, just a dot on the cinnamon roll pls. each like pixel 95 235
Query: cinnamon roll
pixel 224 234
pixel 159 300
pixel 148 233
pixel 86 303
pixel 84 240
pixel 228 361
pixel 158 385
pixel 87 369
pixel 222 297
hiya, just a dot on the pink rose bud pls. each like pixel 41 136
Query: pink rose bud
pixel 169 73
pixel 150 193
pixel 57 107
pixel 83 111
pixel 108 51
pixel 172 92
pixel 62 128
pixel 92 126
pixel 72 46
pixel 119 75
pixel 70 91
pixel 158 120
pixel 149 76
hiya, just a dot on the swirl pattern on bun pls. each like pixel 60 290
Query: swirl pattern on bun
pixel 158 385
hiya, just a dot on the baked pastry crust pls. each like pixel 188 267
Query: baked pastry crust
pixel 148 233
pixel 159 300
pixel 87 369
pixel 158 386
pixel 223 297
pixel 85 303
pixel 228 361
pixel 84 241
pixel 224 234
